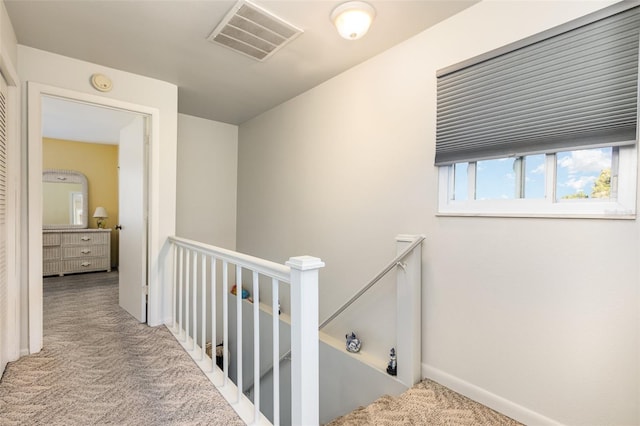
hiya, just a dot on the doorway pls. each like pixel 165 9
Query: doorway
pixel 73 114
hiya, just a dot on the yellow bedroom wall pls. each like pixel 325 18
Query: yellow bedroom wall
pixel 99 163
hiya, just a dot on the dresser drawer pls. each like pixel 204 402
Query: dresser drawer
pixel 84 251
pixel 50 239
pixel 50 253
pixel 51 267
pixel 81 238
pixel 82 265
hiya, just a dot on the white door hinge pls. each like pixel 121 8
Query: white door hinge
pixel 145 288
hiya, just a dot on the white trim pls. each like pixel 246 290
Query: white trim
pixel 483 396
pixel 34 193
pixel 156 270
pixel 35 91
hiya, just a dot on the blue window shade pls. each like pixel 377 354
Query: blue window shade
pixel 572 87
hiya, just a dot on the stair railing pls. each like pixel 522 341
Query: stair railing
pixel 408 347
pixel 196 268
pixel 397 261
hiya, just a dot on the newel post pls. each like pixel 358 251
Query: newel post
pixel 409 321
pixel 305 362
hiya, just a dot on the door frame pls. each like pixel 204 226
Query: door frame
pixel 35 91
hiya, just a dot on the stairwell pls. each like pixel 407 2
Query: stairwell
pixel 426 403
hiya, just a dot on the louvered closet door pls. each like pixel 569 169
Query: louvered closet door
pixel 3 226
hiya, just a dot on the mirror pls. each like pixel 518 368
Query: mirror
pixel 64 199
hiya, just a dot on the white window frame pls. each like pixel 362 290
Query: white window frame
pixel 623 207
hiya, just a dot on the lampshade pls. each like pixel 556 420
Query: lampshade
pixel 352 19
pixel 100 212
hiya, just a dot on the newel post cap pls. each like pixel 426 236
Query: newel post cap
pixel 305 263
pixel 408 238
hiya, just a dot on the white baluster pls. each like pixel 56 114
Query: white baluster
pixel 239 330
pixel 203 283
pixel 186 293
pixel 174 286
pixel 276 350
pixel 256 346
pixel 213 313
pixel 180 294
pixel 225 320
pixel 195 299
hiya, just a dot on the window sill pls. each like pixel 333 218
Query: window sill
pixel 630 216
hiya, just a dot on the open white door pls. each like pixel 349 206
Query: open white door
pixel 132 207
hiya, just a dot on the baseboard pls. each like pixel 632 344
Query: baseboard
pixel 491 400
pixel 24 352
pixel 165 321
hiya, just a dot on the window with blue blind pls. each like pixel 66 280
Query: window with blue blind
pixel 545 126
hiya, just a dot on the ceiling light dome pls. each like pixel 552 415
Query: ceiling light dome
pixel 352 19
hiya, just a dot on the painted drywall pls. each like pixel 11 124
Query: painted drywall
pixel 8 41
pixel 206 181
pixel 62 72
pixel 207 167
pixel 99 163
pixel 538 317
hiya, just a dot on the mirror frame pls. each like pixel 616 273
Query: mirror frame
pixel 69 176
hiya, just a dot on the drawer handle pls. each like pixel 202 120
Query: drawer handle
pixel 85 238
pixel 85 251
pixel 85 264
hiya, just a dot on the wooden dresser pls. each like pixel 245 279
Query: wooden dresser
pixel 70 251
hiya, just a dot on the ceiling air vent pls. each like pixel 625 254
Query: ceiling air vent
pixel 252 31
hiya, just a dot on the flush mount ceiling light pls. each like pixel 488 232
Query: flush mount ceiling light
pixel 352 19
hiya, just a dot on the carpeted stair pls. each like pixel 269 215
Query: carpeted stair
pixel 427 403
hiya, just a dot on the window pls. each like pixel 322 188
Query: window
pixel 575 183
pixel 546 126
pixel 585 174
pixel 510 178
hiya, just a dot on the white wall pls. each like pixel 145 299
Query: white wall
pixel 538 317
pixel 9 44
pixel 67 73
pixel 206 187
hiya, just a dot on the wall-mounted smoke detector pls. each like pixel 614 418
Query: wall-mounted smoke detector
pixel 253 31
pixel 101 82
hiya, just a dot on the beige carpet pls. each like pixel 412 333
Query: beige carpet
pixel 100 366
pixel 427 403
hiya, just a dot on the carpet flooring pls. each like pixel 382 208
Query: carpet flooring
pixel 100 366
pixel 427 403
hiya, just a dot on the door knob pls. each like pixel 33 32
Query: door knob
pixel 118 227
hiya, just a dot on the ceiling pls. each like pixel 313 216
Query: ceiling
pixel 81 122
pixel 167 40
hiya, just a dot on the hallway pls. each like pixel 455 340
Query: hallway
pixel 99 366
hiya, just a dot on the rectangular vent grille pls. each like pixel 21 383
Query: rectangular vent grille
pixel 252 31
